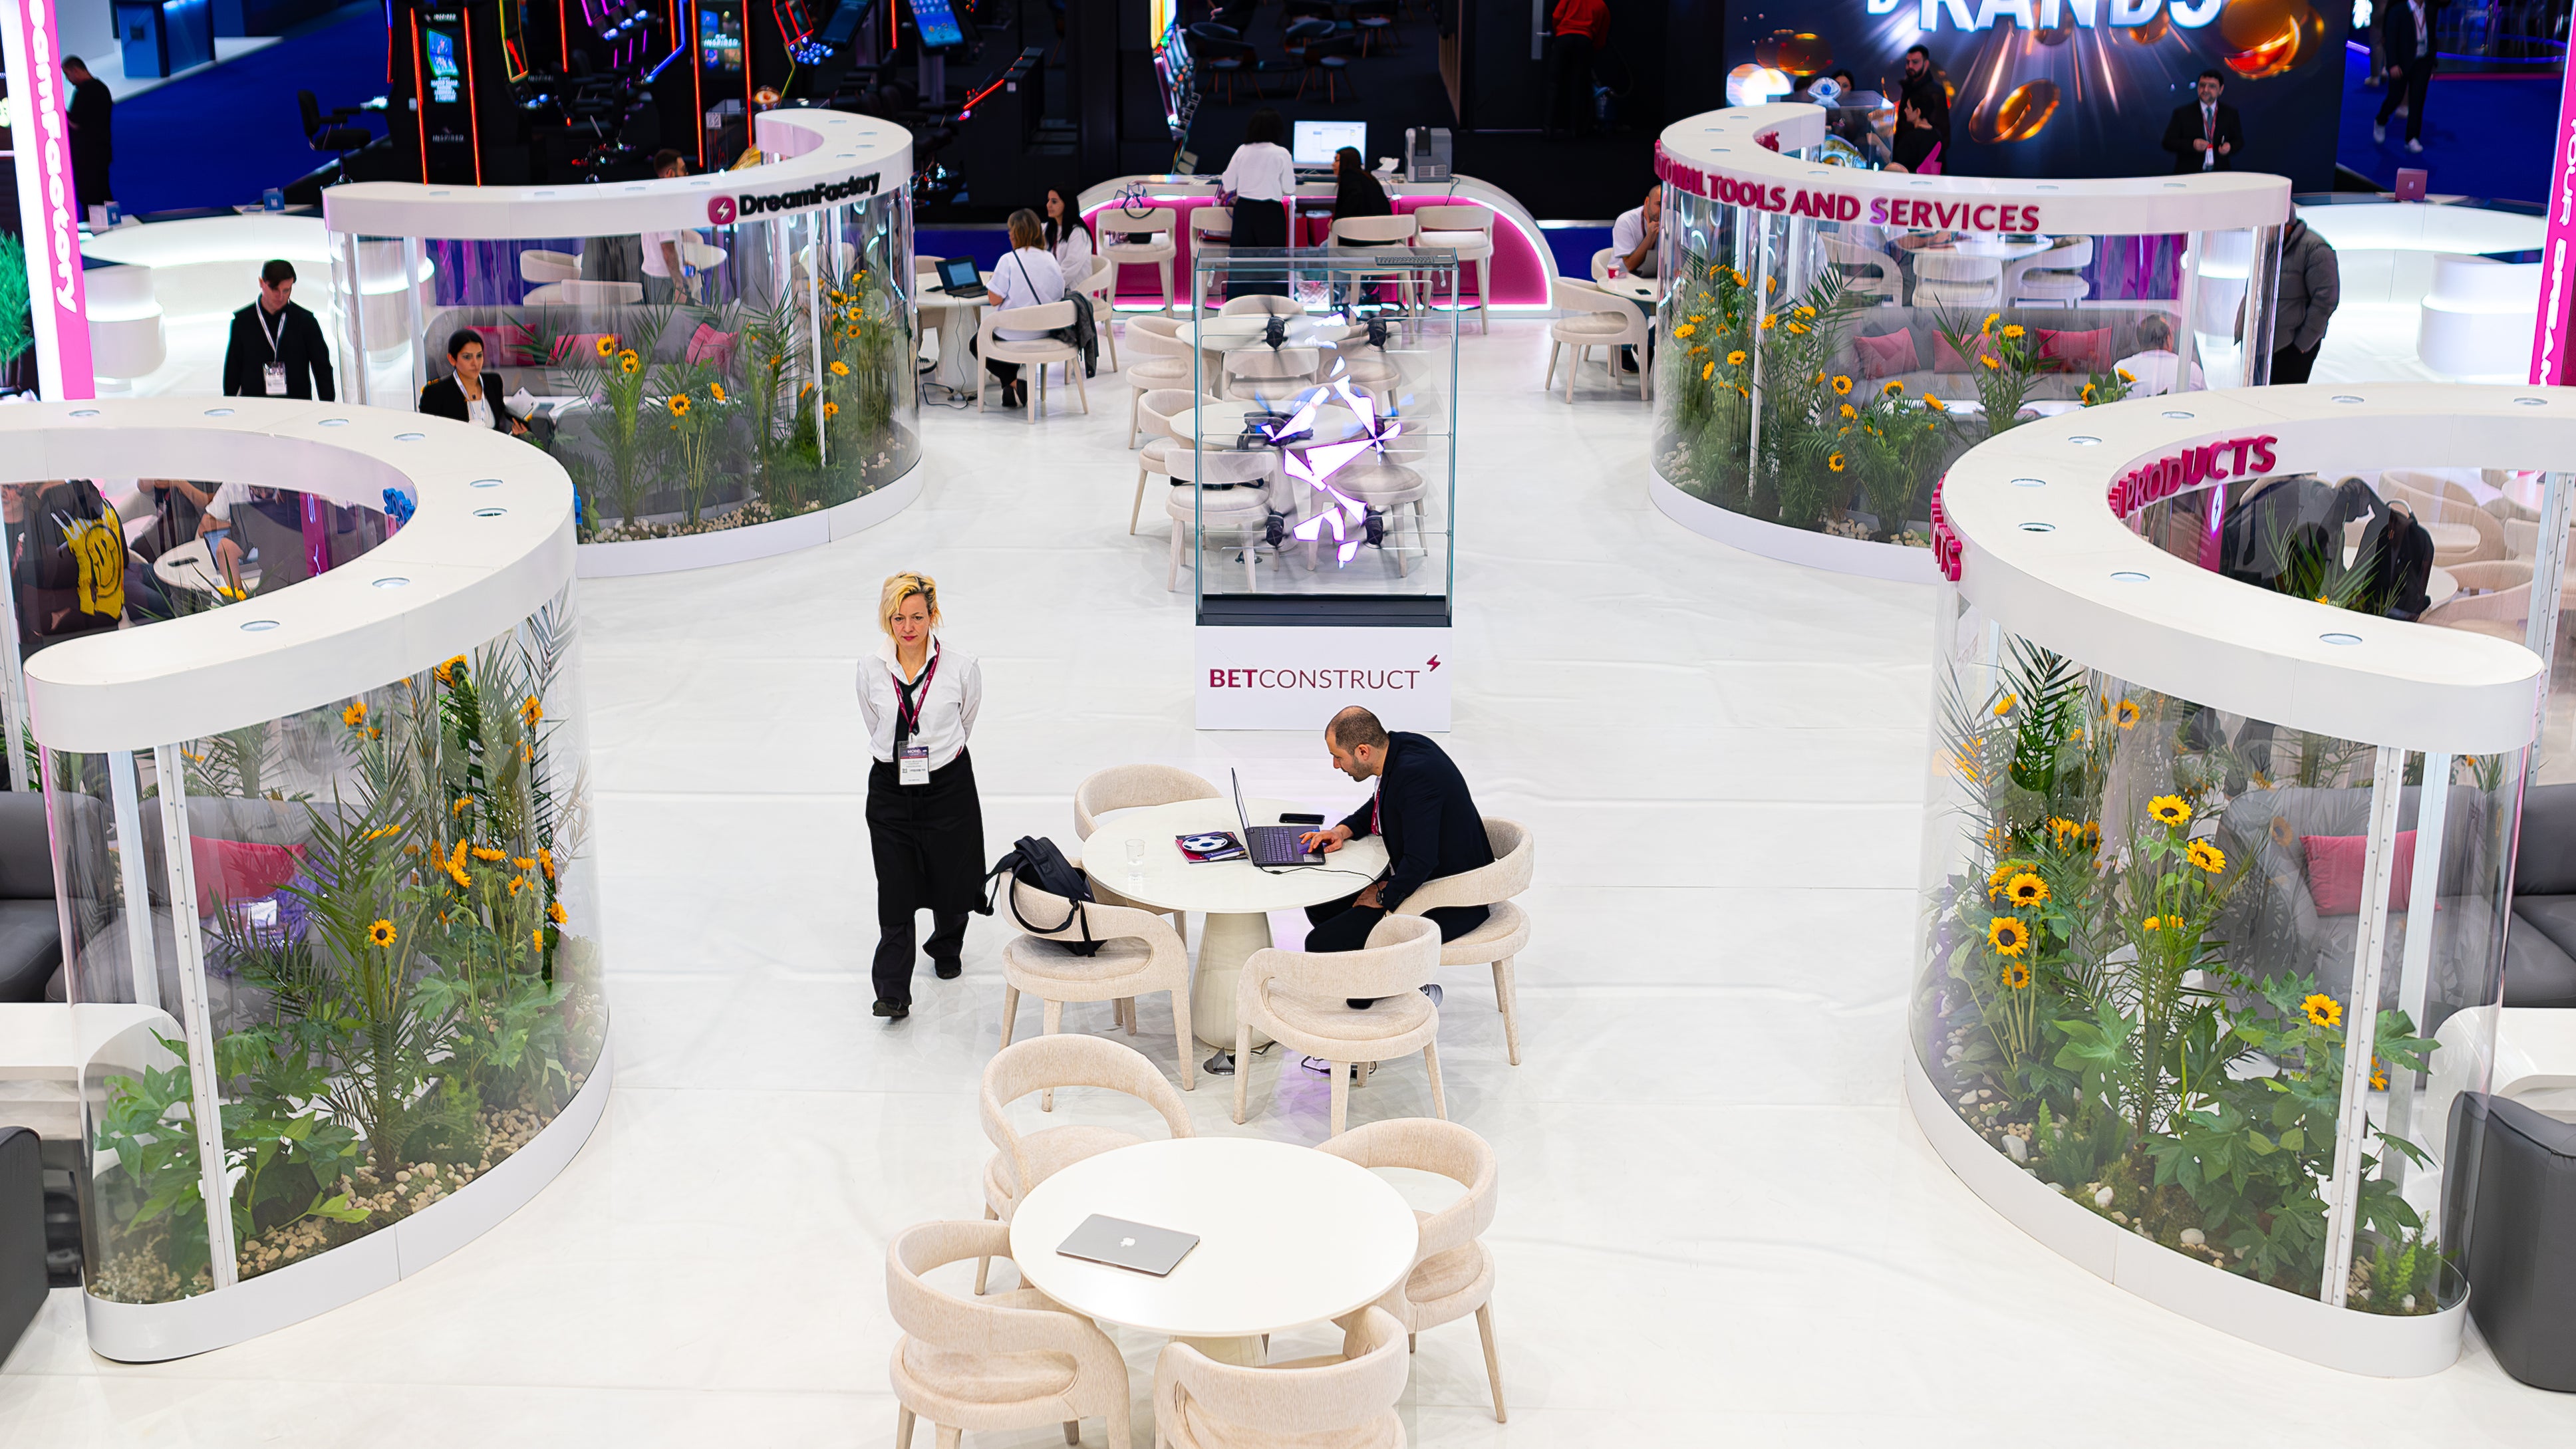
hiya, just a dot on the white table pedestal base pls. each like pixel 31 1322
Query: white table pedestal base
pixel 1228 940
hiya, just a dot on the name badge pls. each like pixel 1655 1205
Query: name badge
pixel 275 374
pixel 912 765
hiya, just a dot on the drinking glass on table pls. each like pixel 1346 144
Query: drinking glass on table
pixel 1135 861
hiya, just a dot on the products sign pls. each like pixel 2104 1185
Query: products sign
pixel 2178 472
pixel 48 203
pixel 1254 678
pixel 1947 552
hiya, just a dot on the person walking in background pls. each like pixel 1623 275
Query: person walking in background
pixel 2204 132
pixel 667 277
pixel 277 348
pixel 925 822
pixel 1927 90
pixel 93 139
pixel 2406 39
pixel 2311 288
pixel 1580 29
pixel 1260 177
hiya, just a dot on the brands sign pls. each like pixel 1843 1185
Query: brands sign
pixel 48 200
pixel 1917 212
pixel 726 210
pixel 1295 679
pixel 1932 16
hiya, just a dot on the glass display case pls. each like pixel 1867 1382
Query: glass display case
pixel 2142 917
pixel 1322 447
pixel 770 375
pixel 364 941
pixel 1822 375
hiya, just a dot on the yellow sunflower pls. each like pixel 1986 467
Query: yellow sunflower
pixel 629 364
pixel 716 390
pixel 2088 394
pixel 381 933
pixel 1849 411
pixel 517 884
pixel 679 405
pixel 2207 856
pixel 607 345
pixel 2169 809
pixel 537 942
pixel 1769 322
pixel 2016 974
pixel 1707 370
pixel 1934 404
pixel 2322 1010
pixel 2026 889
pixel 546 861
pixel 531 712
pixel 1842 387
pixel 2001 873
pixel 2153 923
pixel 2012 332
pixel 1684 330
pixel 1988 329
pixel 523 862
pixel 1735 358
pixel 840 368
pixel 1834 462
pixel 490 852
pixel 2126 715
pixel 555 912
pixel 458 808
pixel 2125 374
pixel 1797 329
pixel 1806 311
pixel 2378 1075
pixel 831 410
pixel 1892 389
pixel 355 715
pixel 2004 706
pixel 1987 359
pixel 2008 936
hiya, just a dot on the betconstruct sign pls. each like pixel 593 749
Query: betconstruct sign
pixel 725 210
pixel 1926 213
pixel 2148 483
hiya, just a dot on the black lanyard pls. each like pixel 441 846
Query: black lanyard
pixel 277 337
pixel 907 713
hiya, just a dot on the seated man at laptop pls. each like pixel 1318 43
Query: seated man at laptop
pixel 1430 824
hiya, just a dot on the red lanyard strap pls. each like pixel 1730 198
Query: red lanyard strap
pixel 907 707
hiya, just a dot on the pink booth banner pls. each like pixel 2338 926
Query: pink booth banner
pixel 2549 339
pixel 49 203
pixel 1516 272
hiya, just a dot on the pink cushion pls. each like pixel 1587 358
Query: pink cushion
pixel 1887 355
pixel 708 345
pixel 1946 358
pixel 2078 351
pixel 2334 872
pixel 505 346
pixel 239 870
pixel 582 348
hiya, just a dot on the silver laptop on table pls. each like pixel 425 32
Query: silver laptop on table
pixel 1122 1244
pixel 1271 844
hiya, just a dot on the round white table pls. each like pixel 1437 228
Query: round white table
pixel 1287 1236
pixel 188 566
pixel 1236 895
pixel 957 320
pixel 2001 248
pixel 1645 291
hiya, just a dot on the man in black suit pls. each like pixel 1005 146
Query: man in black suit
pixel 2406 39
pixel 2204 133
pixel 1431 826
pixel 93 138
pixel 277 348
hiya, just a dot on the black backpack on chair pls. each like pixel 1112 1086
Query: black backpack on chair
pixel 1036 863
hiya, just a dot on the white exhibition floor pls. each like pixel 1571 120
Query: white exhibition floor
pixel 1718 1225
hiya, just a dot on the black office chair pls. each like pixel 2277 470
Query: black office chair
pixel 1329 56
pixel 1226 55
pixel 333 133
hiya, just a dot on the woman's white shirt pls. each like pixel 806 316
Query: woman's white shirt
pixel 1028 277
pixel 948 705
pixel 1261 171
pixel 1073 252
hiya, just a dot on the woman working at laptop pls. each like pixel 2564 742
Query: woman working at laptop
pixel 1028 277
pixel 1261 178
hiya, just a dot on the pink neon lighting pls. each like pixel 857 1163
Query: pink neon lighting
pixel 49 209
pixel 1518 271
pixel 2549 351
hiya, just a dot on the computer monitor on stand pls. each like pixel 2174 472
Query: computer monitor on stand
pixel 1312 143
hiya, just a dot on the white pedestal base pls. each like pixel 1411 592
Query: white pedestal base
pixel 1228 941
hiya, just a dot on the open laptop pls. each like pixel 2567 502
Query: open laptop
pixel 1271 844
pixel 958 278
pixel 1122 1244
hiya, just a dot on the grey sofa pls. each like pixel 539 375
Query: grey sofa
pixel 24 1275
pixel 2540 947
pixel 31 937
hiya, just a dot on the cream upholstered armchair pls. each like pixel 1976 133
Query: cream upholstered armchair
pixel 1165 362
pixel 1033 352
pixel 1337 1401
pixel 1297 998
pixel 1141 241
pixel 1154 413
pixel 1139 955
pixel 1588 318
pixel 1132 787
pixel 1039 1066
pixel 2462 532
pixel 1507 927
pixel 1012 1361
pixel 1259 305
pixel 2494 599
pixel 1453 1270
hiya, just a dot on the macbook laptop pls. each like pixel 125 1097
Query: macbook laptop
pixel 1271 844
pixel 958 278
pixel 1122 1244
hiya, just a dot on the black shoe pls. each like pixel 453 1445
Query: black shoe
pixel 1375 527
pixel 893 1010
pixel 948 970
pixel 1627 359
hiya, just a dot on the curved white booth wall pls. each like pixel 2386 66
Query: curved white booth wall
pixel 780 447
pixel 2143 773
pixel 1741 201
pixel 315 849
pixel 2478 311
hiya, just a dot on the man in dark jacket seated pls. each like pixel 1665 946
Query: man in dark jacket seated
pixel 1431 826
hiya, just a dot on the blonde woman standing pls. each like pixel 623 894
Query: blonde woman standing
pixel 925 822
